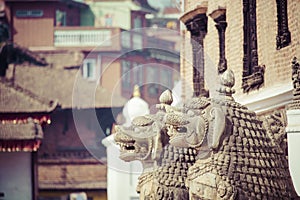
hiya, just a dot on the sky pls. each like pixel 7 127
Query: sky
pixel 159 3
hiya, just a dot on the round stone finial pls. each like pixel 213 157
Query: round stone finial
pixel 166 97
pixel 227 82
pixel 227 78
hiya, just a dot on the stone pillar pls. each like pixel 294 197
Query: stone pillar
pixel 293 128
pixel 196 24
pixel 219 16
pixel 221 27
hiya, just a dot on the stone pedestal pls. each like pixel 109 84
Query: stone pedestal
pixel 293 135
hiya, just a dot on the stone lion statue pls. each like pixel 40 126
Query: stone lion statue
pixel 217 149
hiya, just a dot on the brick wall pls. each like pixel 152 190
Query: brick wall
pixel 234 40
pixel 186 63
pixel 277 62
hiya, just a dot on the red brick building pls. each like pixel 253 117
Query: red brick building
pixel 71 159
pixel 101 64
pixel 58 27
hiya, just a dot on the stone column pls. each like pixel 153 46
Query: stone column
pixel 219 16
pixel 293 128
pixel 197 26
pixel 221 27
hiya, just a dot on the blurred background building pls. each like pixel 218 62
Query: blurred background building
pixel 51 46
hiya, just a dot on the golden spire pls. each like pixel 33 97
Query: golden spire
pixel 136 91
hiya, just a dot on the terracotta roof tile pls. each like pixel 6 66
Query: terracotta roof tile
pixel 51 82
pixel 15 99
pixel 25 131
pixel 20 137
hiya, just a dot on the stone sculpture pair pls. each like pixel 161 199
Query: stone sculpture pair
pixel 211 148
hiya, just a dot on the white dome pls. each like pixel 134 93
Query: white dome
pixel 135 107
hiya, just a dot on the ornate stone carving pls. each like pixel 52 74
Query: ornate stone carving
pixel 143 141
pixel 296 84
pixel 236 156
pixel 237 153
pixel 255 80
pixel 275 125
pixel 165 166
pixel 171 173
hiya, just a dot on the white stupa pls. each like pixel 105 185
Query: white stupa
pixel 135 107
pixel 122 177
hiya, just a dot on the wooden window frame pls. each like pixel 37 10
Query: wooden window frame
pixel 85 70
pixel 29 13
pixel 283 37
pixel 253 74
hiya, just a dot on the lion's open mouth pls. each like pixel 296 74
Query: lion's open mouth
pixel 128 147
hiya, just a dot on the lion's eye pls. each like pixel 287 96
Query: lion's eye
pixel 181 129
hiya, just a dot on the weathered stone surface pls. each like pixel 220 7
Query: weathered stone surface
pixel 143 141
pixel 216 149
pixel 236 150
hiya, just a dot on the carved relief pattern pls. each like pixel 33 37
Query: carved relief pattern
pixel 255 80
pixel 275 125
pixel 245 165
pixel 283 38
pixel 172 172
pixel 216 149
pixel 296 84
pixel 253 75
pixel 198 29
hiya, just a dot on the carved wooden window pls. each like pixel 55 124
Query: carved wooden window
pixel 198 29
pixel 253 75
pixel 283 38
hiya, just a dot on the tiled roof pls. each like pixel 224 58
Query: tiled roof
pixel 15 99
pixel 72 176
pixel 20 136
pixel 27 131
pixel 22 54
pixel 58 83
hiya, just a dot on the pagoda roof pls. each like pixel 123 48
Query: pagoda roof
pixel 16 99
